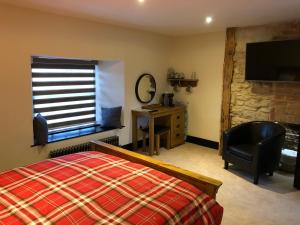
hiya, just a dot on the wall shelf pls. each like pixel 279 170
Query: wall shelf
pixel 180 82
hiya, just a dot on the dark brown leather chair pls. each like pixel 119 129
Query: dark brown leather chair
pixel 254 146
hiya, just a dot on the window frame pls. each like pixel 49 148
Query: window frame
pixel 57 104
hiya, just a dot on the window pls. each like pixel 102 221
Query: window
pixel 64 92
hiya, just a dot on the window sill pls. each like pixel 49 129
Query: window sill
pixel 79 132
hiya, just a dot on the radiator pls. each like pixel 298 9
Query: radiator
pixel 113 140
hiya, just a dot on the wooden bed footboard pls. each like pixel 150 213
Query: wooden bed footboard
pixel 208 185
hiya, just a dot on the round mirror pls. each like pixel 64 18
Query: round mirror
pixel 145 88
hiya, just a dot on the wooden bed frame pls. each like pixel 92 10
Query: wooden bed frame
pixel 208 185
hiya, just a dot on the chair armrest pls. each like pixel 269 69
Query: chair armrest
pixel 266 141
pixel 272 139
pixel 270 151
pixel 272 144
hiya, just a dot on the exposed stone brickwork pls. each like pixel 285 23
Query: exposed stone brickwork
pixel 259 100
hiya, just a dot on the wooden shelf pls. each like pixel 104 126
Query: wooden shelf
pixel 183 82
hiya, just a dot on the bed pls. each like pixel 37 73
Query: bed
pixel 107 185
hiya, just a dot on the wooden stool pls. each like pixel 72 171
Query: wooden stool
pixel 157 139
pixel 158 132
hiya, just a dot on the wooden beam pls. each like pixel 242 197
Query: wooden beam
pixel 206 184
pixel 227 80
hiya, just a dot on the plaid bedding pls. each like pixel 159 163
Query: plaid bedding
pixel 96 188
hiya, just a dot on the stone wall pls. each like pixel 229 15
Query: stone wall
pixel 263 100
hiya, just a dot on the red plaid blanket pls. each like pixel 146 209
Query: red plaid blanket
pixel 96 188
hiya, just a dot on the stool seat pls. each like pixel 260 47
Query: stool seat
pixel 158 132
pixel 157 129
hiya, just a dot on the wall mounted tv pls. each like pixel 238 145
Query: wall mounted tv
pixel 273 61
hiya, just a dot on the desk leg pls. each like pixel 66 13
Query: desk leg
pixel 134 131
pixel 151 135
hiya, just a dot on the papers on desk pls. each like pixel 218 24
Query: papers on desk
pixel 146 110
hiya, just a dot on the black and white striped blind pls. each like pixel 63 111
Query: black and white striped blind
pixel 64 92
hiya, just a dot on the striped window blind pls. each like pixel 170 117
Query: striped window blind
pixel 64 92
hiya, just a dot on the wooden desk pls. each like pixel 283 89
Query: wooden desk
pixel 172 117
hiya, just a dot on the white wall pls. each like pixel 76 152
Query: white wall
pixel 110 87
pixel 203 54
pixel 27 32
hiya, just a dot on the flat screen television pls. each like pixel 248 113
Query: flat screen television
pixel 273 61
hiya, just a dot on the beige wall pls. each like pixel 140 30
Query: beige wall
pixel 27 32
pixel 203 54
pixel 24 33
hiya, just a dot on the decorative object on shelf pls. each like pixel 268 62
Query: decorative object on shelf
pixel 145 88
pixel 167 99
pixel 189 89
pixel 194 76
pixel 171 73
pixel 174 75
pixel 180 75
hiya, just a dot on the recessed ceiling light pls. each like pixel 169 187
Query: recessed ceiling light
pixel 208 19
pixel 141 1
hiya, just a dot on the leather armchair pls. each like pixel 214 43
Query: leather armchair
pixel 254 146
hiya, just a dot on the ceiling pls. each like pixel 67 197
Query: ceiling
pixel 172 17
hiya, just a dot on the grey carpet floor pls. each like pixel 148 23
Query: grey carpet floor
pixel 273 202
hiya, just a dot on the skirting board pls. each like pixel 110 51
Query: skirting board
pixel 202 142
pixel 190 139
pixel 130 145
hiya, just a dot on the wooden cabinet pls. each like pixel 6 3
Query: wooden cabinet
pixel 177 128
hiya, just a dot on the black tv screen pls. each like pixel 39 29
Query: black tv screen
pixel 273 61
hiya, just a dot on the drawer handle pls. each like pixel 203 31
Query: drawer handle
pixel 177 135
pixel 177 126
pixel 178 117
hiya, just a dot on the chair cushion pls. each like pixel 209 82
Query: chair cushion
pixel 245 151
pixel 111 117
pixel 40 130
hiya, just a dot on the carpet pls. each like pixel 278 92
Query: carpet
pixel 273 202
